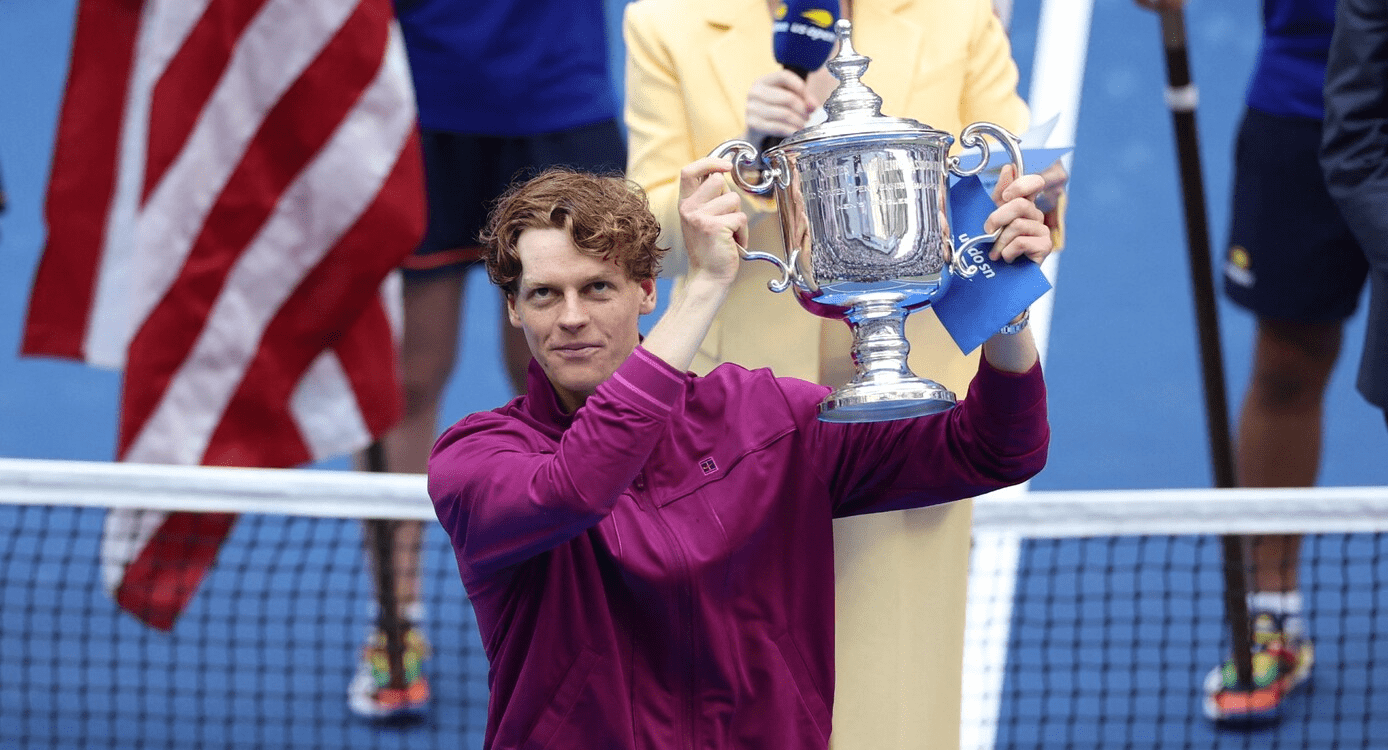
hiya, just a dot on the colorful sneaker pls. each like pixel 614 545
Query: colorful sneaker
pixel 370 694
pixel 1280 665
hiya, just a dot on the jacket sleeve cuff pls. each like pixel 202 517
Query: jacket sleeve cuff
pixel 1003 392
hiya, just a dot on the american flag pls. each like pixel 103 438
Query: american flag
pixel 233 183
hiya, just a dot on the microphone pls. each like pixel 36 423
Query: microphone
pixel 802 37
pixel 803 34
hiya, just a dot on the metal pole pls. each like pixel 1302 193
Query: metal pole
pixel 382 547
pixel 1181 96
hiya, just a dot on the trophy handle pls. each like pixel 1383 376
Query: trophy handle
pixel 775 285
pixel 959 263
pixel 744 154
pixel 971 138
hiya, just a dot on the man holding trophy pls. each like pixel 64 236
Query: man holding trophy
pixel 648 551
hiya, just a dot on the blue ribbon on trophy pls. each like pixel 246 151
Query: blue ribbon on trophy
pixel 975 308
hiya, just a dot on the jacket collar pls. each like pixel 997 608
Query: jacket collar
pixel 543 403
pixel 742 30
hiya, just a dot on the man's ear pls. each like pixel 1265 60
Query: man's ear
pixel 511 310
pixel 648 290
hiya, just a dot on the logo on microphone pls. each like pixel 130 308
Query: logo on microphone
pixel 816 24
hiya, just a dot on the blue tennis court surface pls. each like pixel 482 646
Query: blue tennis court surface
pixel 1126 410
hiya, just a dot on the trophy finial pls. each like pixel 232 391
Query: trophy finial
pixel 843 29
pixel 852 99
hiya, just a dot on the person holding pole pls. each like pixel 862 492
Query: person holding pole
pixel 1293 262
pixel 1354 154
pixel 649 552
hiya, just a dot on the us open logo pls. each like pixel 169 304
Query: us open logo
pixel 708 466
pixel 978 258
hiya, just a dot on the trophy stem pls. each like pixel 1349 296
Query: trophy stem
pixel 880 347
pixel 884 386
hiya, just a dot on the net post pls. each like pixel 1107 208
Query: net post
pixel 1181 99
pixel 382 546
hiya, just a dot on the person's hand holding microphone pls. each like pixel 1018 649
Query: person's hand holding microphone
pixel 780 103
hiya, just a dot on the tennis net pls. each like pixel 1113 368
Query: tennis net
pixel 1093 616
pixel 261 657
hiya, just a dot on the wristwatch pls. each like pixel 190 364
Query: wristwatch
pixel 1017 324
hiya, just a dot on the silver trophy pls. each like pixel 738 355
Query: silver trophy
pixel 864 216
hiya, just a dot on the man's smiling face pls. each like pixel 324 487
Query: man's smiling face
pixel 580 314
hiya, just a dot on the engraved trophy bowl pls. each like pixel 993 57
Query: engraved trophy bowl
pixel 863 202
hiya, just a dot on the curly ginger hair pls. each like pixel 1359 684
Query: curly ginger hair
pixel 606 217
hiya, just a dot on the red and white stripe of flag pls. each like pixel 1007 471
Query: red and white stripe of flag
pixel 234 183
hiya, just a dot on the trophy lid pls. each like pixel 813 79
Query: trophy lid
pixel 854 110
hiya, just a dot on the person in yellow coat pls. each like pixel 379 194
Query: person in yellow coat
pixel 698 74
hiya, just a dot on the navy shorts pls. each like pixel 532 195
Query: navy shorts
pixel 465 174
pixel 1291 256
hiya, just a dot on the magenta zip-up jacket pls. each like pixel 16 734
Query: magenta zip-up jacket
pixel 656 571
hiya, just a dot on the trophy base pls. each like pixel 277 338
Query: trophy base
pixel 882 402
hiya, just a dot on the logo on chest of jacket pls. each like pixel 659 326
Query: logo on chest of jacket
pixel 708 466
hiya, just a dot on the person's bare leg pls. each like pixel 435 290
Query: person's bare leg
pixel 1279 436
pixel 428 353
